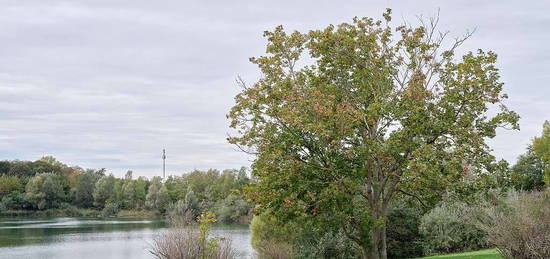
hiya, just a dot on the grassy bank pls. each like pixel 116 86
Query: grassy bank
pixel 74 212
pixel 483 254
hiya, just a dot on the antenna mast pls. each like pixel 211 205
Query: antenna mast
pixel 163 164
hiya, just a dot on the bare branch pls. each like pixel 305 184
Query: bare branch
pixel 414 196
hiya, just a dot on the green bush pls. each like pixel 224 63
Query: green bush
pixel 403 235
pixel 276 250
pixel 110 210
pixel 71 211
pixel 272 239
pixel 328 245
pixel 233 209
pixel 266 230
pixel 13 201
pixel 450 228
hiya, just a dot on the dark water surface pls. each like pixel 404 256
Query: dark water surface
pixel 87 238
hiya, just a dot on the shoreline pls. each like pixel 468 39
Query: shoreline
pixel 74 212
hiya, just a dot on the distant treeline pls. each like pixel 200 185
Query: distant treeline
pixel 48 184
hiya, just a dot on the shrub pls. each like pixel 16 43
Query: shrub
pixel 266 232
pixel 188 241
pixel 520 228
pixel 273 239
pixel 13 201
pixel 276 250
pixel 184 243
pixel 450 228
pixel 329 245
pixel 233 209
pixel 69 211
pixel 110 210
pixel 403 235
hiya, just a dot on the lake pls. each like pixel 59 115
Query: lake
pixel 88 238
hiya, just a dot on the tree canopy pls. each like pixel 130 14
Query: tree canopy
pixel 345 117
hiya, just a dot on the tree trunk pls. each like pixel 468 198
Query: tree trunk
pixel 374 244
pixel 377 248
pixel 384 248
pixel 365 253
pixel 378 198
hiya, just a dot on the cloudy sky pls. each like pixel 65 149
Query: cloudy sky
pixel 109 84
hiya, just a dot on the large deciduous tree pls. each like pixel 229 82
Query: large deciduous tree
pixel 344 118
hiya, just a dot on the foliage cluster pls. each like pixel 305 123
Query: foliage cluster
pixel 404 237
pixel 220 192
pixel 449 228
pixel 273 239
pixel 48 184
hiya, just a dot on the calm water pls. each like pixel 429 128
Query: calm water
pixel 86 238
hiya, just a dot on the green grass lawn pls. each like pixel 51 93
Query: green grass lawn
pixel 483 254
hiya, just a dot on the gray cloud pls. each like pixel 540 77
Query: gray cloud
pixel 110 83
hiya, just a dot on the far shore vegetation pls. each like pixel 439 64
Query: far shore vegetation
pixel 79 212
pixel 48 187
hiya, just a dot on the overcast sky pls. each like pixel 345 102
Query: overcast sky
pixel 111 83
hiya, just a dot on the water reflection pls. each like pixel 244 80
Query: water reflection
pixel 15 232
